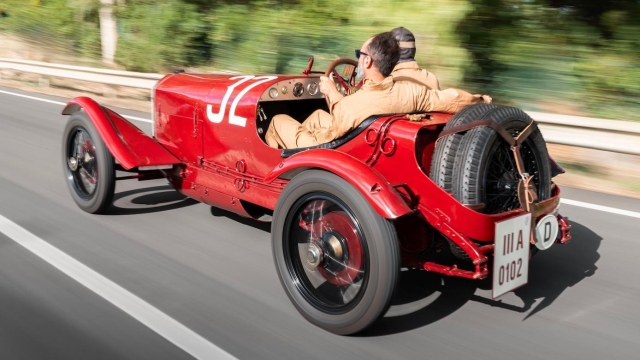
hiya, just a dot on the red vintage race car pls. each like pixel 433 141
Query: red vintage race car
pixel 396 192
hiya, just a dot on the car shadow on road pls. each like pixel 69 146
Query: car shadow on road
pixel 424 298
pixel 256 224
pixel 148 200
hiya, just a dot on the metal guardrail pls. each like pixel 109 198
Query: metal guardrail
pixel 601 134
pixel 104 76
pixel 619 136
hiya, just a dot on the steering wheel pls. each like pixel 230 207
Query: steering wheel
pixel 345 82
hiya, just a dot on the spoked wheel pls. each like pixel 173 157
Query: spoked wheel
pixel 501 177
pixel 88 165
pixel 485 171
pixel 337 259
pixel 325 253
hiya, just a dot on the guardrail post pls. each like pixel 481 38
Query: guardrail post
pixel 108 31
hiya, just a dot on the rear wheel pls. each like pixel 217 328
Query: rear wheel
pixel 337 259
pixel 88 165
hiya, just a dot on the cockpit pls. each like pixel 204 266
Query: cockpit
pixel 297 98
pixel 300 97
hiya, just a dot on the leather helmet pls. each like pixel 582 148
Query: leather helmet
pixel 407 43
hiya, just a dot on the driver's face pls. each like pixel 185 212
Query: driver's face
pixel 360 69
pixel 361 65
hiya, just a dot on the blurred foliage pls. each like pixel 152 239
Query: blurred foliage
pixel 161 34
pixel 64 24
pixel 578 56
pixel 571 56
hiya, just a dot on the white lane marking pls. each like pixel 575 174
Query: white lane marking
pixel 61 103
pixel 156 320
pixel 601 208
pixel 33 98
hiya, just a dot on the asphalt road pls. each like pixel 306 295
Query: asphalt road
pixel 213 273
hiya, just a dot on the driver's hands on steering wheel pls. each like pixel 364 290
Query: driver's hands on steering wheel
pixel 328 87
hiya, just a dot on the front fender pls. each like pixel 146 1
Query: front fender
pixel 128 144
pixel 371 184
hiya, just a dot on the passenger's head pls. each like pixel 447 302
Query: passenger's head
pixel 407 43
pixel 379 54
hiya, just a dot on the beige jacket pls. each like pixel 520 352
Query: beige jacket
pixel 390 97
pixel 411 69
pixel 386 97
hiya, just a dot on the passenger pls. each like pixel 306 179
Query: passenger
pixel 380 94
pixel 407 65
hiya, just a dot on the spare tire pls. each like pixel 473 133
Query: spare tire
pixel 444 155
pixel 484 170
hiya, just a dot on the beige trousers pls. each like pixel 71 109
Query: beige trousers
pixel 284 131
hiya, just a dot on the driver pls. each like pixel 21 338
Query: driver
pixel 407 65
pixel 380 94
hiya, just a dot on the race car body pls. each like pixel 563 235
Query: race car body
pixel 346 216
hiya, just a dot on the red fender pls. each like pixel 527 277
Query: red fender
pixel 381 195
pixel 128 144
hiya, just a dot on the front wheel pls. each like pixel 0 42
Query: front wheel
pixel 87 164
pixel 337 259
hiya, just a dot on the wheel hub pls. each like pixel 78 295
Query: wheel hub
pixel 506 183
pixel 336 245
pixel 324 253
pixel 314 257
pixel 335 253
pixel 73 164
pixel 87 157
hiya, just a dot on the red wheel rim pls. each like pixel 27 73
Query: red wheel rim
pixel 331 229
pixel 83 174
pixel 325 251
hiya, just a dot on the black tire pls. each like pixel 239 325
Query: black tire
pixel 326 304
pixel 441 171
pixel 92 181
pixel 484 168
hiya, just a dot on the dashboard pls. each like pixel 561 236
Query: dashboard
pixel 293 89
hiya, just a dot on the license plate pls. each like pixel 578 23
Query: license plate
pixel 511 254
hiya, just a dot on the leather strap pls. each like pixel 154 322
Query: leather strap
pixel 407 44
pixel 527 194
pixel 516 155
pixel 526 132
pixel 474 124
pixel 496 127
